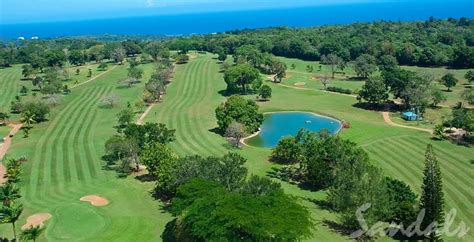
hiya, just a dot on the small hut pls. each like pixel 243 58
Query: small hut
pixel 411 116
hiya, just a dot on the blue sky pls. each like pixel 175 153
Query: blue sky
pixel 23 11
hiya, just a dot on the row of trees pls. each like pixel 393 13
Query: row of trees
pixel 416 91
pixel 10 207
pixel 343 168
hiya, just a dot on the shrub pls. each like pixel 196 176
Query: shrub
pixel 339 90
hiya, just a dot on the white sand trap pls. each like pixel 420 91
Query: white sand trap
pixel 95 200
pixel 299 84
pixel 36 220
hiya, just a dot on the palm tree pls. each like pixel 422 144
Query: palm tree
pixel 32 233
pixel 10 214
pixel 8 193
pixel 28 119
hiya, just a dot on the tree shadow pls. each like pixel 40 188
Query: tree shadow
pixel 225 93
pixel 337 227
pixel 215 130
pixel 145 178
pixel 369 106
pixel 321 204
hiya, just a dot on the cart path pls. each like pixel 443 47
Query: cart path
pixel 386 118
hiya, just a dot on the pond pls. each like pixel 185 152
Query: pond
pixel 281 124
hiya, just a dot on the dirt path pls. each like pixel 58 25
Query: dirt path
pixel 317 90
pixel 144 114
pixel 8 140
pixel 3 171
pixel 386 118
pixel 93 78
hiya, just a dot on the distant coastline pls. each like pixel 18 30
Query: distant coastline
pixel 206 23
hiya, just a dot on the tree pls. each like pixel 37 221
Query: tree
pixel 140 105
pixel 77 58
pixel 248 54
pixel 468 96
pixel 28 119
pixel 149 133
pixel 32 233
pixel 203 206
pixel 235 131
pixel 27 70
pixel 402 202
pixel 437 96
pixel 279 69
pixel 10 214
pixel 110 100
pixel 89 72
pixel 181 58
pixel 8 193
pixel 119 55
pixel 374 91
pixel 125 117
pixel 288 151
pixel 470 76
pixel 335 62
pixel 238 109
pixel 265 92
pixel 38 81
pixel 240 77
pixel 3 118
pixel 135 74
pixel 261 186
pixel 13 171
pixel 365 65
pixel 325 80
pixel 449 81
pixel 55 58
pixel 38 110
pixel 229 171
pixel 432 198
pixel 387 63
pixel 158 158
pixel 23 90
pixel 356 184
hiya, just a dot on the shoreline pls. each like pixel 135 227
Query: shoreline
pixel 242 141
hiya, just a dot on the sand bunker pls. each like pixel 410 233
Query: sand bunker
pixel 3 171
pixel 95 200
pixel 299 84
pixel 36 220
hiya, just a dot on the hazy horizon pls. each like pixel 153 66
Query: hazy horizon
pixel 44 11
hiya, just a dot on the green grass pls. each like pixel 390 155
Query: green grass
pixel 65 164
pixel 193 95
pixel 65 153
pixel 4 131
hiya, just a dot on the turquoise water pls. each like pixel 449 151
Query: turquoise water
pixel 278 125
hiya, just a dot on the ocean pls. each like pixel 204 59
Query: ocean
pixel 203 23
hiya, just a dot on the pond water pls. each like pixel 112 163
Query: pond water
pixel 281 124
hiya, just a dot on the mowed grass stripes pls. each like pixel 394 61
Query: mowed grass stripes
pixel 403 158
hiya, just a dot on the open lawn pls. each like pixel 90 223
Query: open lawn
pixel 64 154
pixel 4 131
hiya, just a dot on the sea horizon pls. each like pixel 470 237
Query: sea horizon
pixel 214 22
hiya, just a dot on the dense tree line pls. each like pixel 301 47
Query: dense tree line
pixel 425 43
